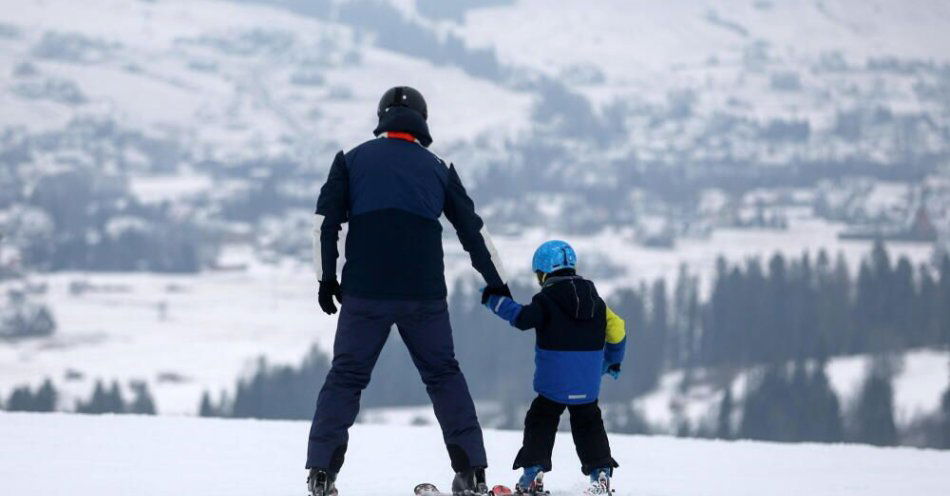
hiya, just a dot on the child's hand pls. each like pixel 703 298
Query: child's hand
pixel 504 307
pixel 612 369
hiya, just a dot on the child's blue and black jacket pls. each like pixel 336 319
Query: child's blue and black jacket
pixel 577 334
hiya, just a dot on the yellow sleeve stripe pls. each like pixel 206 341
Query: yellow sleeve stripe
pixel 616 329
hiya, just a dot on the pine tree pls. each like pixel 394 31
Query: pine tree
pixel 659 327
pixel 142 402
pixel 641 374
pixel 97 403
pixel 206 409
pixel 822 418
pixel 724 419
pixel 114 401
pixel 874 420
pixel 943 304
pixel 945 420
pixel 45 398
pixel 21 400
pixel 780 332
pixel 766 410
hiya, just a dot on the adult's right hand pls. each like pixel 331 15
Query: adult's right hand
pixel 329 290
pixel 495 291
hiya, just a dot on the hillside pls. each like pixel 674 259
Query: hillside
pixel 108 455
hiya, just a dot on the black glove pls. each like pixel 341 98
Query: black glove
pixel 329 289
pixel 495 290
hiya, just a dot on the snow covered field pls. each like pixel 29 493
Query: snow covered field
pixel 119 455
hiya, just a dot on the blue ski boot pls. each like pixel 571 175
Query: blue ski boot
pixel 599 482
pixel 531 482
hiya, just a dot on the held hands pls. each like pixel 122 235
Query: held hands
pixel 495 290
pixel 329 290
pixel 612 369
pixel 503 306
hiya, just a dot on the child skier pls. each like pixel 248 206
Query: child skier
pixel 578 339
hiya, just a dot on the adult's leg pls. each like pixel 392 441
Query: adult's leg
pixel 590 437
pixel 540 428
pixel 425 329
pixel 361 332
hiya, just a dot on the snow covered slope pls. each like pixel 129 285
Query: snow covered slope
pixel 108 455
pixel 232 79
pixel 631 39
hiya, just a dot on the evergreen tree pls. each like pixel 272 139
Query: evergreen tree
pixel 114 401
pixel 766 410
pixel 142 402
pixel 822 417
pixel 724 419
pixel 103 400
pixel 874 416
pixel 779 342
pixel 641 367
pixel 280 392
pixel 21 400
pixel 206 409
pixel 659 326
pixel 98 403
pixel 945 420
pixel 926 313
pixel 832 305
pixel 45 398
pixel 943 304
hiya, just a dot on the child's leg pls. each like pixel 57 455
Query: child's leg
pixel 540 427
pixel 590 437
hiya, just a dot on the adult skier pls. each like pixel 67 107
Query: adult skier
pixel 392 191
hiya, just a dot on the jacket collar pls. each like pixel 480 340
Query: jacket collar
pixel 404 120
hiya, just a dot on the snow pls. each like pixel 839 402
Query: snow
pixel 119 455
pixel 634 40
pixel 156 189
pixel 165 69
pixel 203 332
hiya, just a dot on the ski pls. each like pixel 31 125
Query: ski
pixel 429 489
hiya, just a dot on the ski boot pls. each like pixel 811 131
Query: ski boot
pixel 531 482
pixel 470 483
pixel 599 482
pixel 321 483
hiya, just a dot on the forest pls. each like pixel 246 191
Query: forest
pixel 783 319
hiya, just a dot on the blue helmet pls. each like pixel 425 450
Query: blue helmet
pixel 553 256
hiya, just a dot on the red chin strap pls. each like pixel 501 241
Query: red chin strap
pixel 400 135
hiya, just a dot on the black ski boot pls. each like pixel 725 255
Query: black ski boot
pixel 321 483
pixel 470 483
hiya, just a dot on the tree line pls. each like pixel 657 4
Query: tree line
pixel 785 321
pixel 103 399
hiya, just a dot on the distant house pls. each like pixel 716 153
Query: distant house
pixel 920 229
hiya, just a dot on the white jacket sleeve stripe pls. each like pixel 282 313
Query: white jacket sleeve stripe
pixel 317 251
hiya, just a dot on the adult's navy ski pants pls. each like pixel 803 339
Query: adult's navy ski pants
pixel 362 329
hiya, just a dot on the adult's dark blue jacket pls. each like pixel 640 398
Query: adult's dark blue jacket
pixel 392 192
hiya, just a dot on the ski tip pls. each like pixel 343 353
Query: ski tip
pixel 425 489
pixel 500 490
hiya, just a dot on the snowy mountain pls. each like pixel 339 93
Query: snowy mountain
pixel 107 455
pixel 647 133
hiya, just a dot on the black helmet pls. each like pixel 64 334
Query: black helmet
pixel 403 96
